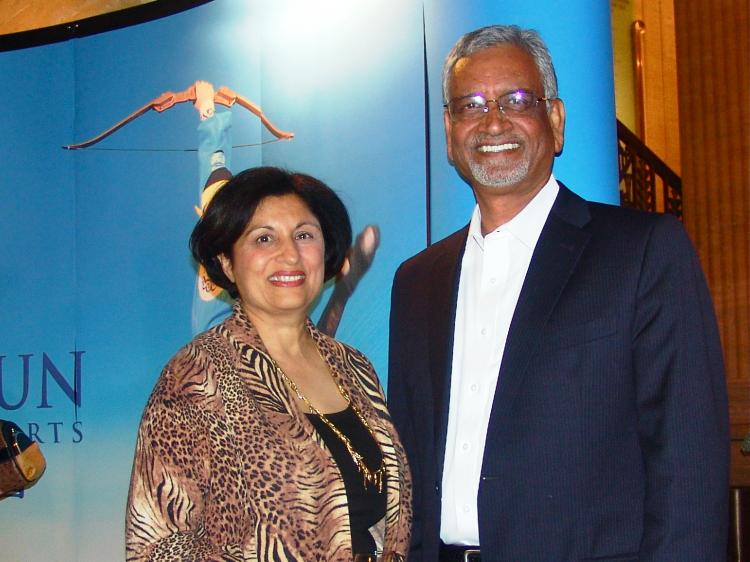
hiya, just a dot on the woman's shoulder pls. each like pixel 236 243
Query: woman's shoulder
pixel 347 358
pixel 340 348
pixel 350 350
pixel 203 347
pixel 192 371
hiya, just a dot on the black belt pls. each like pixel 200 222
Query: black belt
pixel 456 553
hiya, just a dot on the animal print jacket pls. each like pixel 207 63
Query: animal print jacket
pixel 228 468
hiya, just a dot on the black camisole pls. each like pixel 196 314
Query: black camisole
pixel 366 505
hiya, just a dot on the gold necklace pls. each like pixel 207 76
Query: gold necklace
pixel 370 477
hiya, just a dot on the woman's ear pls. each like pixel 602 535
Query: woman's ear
pixel 226 266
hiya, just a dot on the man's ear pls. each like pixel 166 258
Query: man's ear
pixel 226 266
pixel 556 117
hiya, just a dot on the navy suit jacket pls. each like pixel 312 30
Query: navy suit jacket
pixel 608 436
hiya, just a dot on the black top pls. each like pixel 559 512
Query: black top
pixel 366 505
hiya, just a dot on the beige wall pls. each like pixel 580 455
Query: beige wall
pixel 660 128
pixel 622 48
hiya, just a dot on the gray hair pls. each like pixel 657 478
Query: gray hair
pixel 494 35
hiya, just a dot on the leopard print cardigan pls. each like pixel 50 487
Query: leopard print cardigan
pixel 227 467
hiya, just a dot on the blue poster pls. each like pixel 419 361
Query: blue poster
pixel 98 289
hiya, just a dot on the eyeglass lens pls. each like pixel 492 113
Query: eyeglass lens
pixel 475 105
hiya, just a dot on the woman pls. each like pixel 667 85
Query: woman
pixel 264 439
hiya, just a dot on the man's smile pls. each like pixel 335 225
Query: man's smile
pixel 498 147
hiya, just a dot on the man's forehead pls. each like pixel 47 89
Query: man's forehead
pixel 508 56
pixel 500 53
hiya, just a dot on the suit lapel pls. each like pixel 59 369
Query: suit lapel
pixel 557 251
pixel 442 302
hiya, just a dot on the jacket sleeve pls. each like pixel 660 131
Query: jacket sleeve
pixel 681 402
pixel 398 403
pixel 165 509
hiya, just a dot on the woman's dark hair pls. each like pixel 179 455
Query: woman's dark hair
pixel 226 216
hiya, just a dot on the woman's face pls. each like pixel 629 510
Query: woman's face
pixel 278 262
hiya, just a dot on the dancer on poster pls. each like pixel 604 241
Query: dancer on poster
pixel 210 304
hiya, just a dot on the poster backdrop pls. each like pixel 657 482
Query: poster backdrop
pixel 96 283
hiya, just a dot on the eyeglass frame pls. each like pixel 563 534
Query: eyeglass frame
pixel 501 108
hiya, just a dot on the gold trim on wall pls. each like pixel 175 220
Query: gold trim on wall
pixel 638 32
pixel 24 15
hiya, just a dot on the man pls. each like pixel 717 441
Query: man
pixel 555 368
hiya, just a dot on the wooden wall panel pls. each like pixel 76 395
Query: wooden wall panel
pixel 713 53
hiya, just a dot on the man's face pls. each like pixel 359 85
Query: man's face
pixel 497 152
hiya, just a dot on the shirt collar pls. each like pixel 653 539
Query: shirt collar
pixel 527 225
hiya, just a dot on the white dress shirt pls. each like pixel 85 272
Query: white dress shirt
pixel 492 273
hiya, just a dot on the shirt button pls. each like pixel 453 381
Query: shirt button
pixel 467 509
pixel 492 280
pixel 474 387
pixel 484 331
pixel 466 446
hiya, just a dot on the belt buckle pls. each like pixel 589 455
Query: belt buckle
pixel 472 555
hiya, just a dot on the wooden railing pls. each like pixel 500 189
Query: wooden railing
pixel 646 182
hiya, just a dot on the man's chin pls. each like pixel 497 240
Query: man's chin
pixel 497 178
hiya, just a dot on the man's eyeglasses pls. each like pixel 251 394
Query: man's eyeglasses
pixel 474 106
